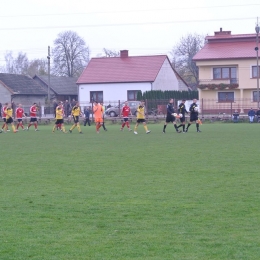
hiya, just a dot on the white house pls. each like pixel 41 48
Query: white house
pixel 110 79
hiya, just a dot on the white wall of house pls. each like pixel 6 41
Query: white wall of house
pixel 112 92
pixel 5 94
pixel 166 78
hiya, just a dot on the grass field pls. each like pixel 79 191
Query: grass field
pixel 117 195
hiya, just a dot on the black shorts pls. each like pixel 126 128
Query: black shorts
pixel 182 119
pixel 4 119
pixel 19 120
pixel 76 119
pixel 140 120
pixel 170 118
pixel 125 119
pixel 194 118
pixel 59 121
pixel 33 119
pixel 9 120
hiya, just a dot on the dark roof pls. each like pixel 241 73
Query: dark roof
pixel 20 84
pixel 123 69
pixel 60 85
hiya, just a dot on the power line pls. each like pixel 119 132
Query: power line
pixel 130 11
pixel 125 24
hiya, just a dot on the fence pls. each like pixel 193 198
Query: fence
pixel 157 107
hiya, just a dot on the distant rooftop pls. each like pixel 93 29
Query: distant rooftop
pixel 21 84
pixel 224 45
pixel 123 69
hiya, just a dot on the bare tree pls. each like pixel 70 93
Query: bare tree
pixel 111 53
pixel 183 53
pixel 18 65
pixel 38 66
pixel 70 54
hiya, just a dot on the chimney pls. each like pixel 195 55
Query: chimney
pixel 221 33
pixel 124 54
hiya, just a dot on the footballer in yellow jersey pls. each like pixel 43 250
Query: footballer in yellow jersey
pixel 9 118
pixel 76 112
pixel 59 118
pixel 140 115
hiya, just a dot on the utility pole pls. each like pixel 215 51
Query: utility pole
pixel 49 70
pixel 257 66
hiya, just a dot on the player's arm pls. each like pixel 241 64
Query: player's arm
pixel 72 111
pixel 80 113
pixel 95 109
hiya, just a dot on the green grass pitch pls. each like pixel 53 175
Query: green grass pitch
pixel 116 195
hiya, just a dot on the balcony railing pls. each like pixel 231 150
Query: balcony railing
pixel 218 84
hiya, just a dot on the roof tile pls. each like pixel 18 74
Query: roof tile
pixel 21 84
pixel 117 69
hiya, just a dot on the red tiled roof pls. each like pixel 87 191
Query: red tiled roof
pixel 230 36
pixel 117 69
pixel 227 50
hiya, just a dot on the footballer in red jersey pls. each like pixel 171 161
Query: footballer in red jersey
pixel 126 111
pixel 33 117
pixel 19 113
pixel 4 116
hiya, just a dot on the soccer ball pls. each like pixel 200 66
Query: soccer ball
pixel 180 115
pixel 174 114
pixel 196 109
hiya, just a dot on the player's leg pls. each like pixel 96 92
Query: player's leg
pixel 63 128
pixel 136 126
pixel 20 123
pixel 35 125
pixel 13 127
pixel 74 125
pixel 146 128
pixel 183 127
pixel 79 129
pixel 175 126
pixel 128 125
pixel 197 126
pixel 123 125
pixel 103 125
pixel 54 127
pixel 97 127
pixel 164 126
pixel 189 124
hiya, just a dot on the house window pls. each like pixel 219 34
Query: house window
pixel 96 96
pixel 254 71
pixel 255 96
pixel 132 95
pixel 225 96
pixel 225 73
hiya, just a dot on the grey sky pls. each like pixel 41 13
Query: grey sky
pixel 144 27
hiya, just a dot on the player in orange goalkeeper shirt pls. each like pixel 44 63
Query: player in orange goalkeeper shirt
pixel 98 113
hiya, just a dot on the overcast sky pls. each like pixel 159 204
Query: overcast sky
pixel 144 27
